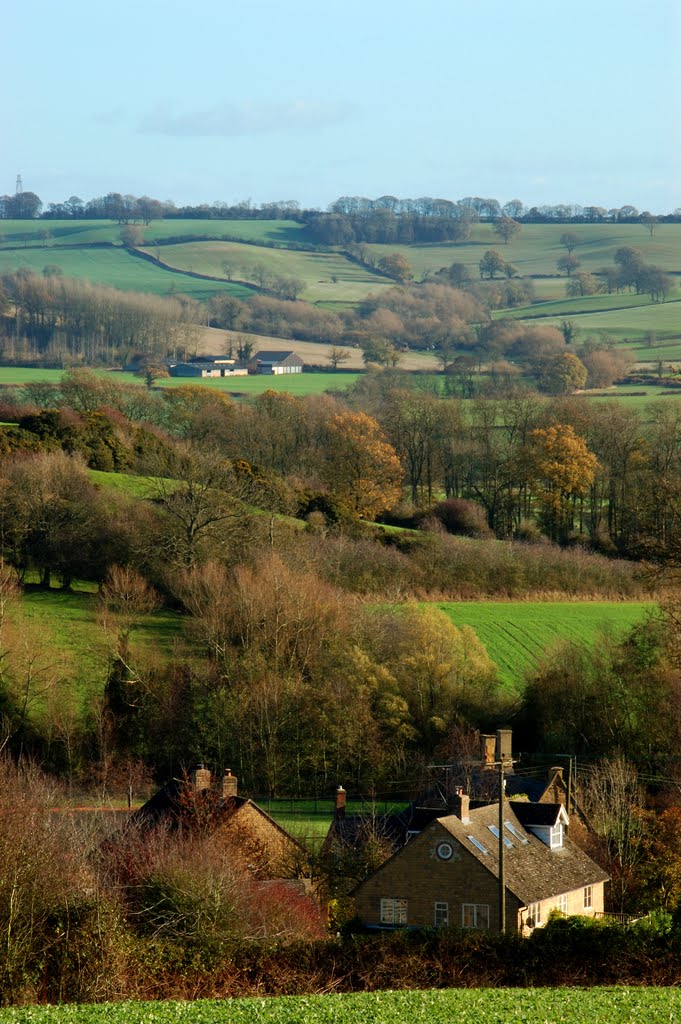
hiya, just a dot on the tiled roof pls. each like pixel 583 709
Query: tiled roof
pixel 533 872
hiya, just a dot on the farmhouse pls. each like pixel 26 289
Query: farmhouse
pixel 448 874
pixel 275 362
pixel 211 808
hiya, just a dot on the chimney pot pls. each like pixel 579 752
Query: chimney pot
pixel 229 784
pixel 200 777
pixel 339 803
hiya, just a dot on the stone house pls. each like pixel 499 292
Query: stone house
pixel 448 874
pixel 211 808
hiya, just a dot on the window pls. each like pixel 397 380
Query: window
pixel 533 919
pixel 475 915
pixel 441 915
pixel 393 911
pixel 514 832
pixel 495 832
pixel 478 845
pixel 588 897
pixel 556 839
pixel 562 904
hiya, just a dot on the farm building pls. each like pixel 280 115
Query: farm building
pixel 275 362
pixel 207 368
pixel 449 873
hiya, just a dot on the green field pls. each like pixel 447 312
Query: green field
pixel 536 248
pixel 67 622
pixel 517 634
pixel 293 383
pixel 76 232
pixel 330 278
pixel 444 1006
pixel 117 268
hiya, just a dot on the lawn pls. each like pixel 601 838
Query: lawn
pixel 517 634
pixel 610 1005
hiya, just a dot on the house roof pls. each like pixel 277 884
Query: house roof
pixel 274 357
pixel 176 805
pixel 533 872
pixel 529 814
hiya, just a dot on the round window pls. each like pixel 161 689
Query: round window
pixel 445 851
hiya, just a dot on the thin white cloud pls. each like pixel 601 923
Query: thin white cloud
pixel 231 119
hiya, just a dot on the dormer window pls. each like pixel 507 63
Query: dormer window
pixel 556 837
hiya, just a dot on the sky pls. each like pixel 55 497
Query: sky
pixel 261 100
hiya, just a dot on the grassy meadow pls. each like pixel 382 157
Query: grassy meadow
pixel 517 634
pixel 92 250
pixel 329 278
pixel 621 1005
pixel 294 383
pixel 117 268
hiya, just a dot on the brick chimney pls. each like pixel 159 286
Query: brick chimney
pixel 339 803
pixel 229 784
pixel 461 805
pixel 200 777
pixel 503 747
pixel 487 747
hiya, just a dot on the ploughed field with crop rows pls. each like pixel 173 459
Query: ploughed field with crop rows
pixel 463 1006
pixel 517 634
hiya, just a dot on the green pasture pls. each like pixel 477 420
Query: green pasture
pixel 293 383
pixel 517 634
pixel 536 249
pixel 328 277
pixel 72 232
pixel 117 268
pixel 613 302
pixel 630 326
pixel 68 625
pixel 611 1005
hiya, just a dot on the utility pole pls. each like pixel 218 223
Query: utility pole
pixel 502 866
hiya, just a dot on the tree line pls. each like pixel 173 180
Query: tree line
pixel 126 208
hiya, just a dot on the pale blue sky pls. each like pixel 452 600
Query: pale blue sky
pixel 550 102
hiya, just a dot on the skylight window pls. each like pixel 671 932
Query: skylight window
pixel 478 845
pixel 495 832
pixel 514 832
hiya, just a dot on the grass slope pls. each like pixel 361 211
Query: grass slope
pixel 330 278
pixel 517 634
pixel 67 621
pixel 117 268
pixel 620 1005
pixel 88 232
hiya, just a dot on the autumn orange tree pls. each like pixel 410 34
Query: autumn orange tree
pixel 361 467
pixel 565 469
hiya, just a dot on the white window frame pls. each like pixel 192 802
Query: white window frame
pixel 393 911
pixel 588 897
pixel 534 914
pixel 556 836
pixel 562 903
pixel 441 915
pixel 475 915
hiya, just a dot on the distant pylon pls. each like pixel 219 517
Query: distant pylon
pixel 20 187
